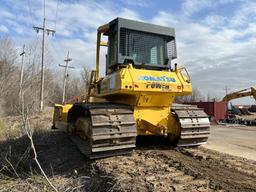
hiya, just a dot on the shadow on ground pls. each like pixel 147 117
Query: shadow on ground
pixel 68 169
pixel 59 158
pixel 154 142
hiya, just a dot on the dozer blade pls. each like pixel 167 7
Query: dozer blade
pixel 195 125
pixel 113 131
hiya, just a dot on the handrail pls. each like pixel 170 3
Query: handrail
pixel 90 85
pixel 188 76
pixel 102 29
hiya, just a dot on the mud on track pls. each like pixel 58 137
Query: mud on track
pixel 195 169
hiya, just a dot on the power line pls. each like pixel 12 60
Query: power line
pixel 48 31
pixel 56 15
pixel 29 9
pixel 55 49
pixel 31 19
pixel 44 8
pixel 226 89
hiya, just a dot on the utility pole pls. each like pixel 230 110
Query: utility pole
pixel 67 60
pixel 48 31
pixel 21 72
pixel 226 89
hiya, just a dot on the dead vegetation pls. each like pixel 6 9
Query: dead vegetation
pixel 66 168
pixel 10 62
pixel 24 133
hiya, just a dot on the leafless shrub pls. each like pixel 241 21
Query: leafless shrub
pixel 25 113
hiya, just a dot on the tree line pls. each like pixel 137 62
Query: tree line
pixel 10 68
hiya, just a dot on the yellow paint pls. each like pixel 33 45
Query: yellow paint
pixel 104 43
pixel 240 94
pixel 61 112
pixel 151 120
pixel 150 93
pixel 101 30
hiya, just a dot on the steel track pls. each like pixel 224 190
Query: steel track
pixel 113 131
pixel 195 125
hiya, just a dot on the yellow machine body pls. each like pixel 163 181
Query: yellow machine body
pixel 60 116
pixel 136 95
pixel 150 93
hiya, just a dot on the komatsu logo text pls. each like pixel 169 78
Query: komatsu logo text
pixel 160 78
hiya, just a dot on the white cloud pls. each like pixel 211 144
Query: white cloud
pixel 140 3
pixel 214 58
pixel 190 7
pixel 84 16
pixel 5 14
pixel 246 13
pixel 165 19
pixel 128 14
pixel 77 31
pixel 3 29
pixel 215 20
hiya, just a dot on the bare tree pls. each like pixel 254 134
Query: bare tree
pixel 10 72
pixel 85 76
pixel 75 86
pixel 7 50
pixel 196 96
pixel 8 76
pixel 212 97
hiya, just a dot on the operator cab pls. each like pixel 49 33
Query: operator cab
pixel 141 44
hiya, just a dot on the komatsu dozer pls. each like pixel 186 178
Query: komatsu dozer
pixel 135 96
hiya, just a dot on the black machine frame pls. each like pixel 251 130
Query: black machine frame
pixel 115 28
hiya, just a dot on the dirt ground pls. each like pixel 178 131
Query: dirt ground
pixel 174 169
pixel 234 140
pixel 151 167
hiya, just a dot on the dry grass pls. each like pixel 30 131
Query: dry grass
pixel 10 128
pixel 2 129
pixel 65 166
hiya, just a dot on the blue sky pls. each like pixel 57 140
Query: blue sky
pixel 216 39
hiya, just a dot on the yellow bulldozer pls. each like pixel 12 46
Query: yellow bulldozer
pixel 136 95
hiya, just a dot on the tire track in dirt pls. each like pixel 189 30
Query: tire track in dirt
pixel 238 163
pixel 149 171
pixel 179 170
pixel 221 173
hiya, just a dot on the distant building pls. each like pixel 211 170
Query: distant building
pixel 216 111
